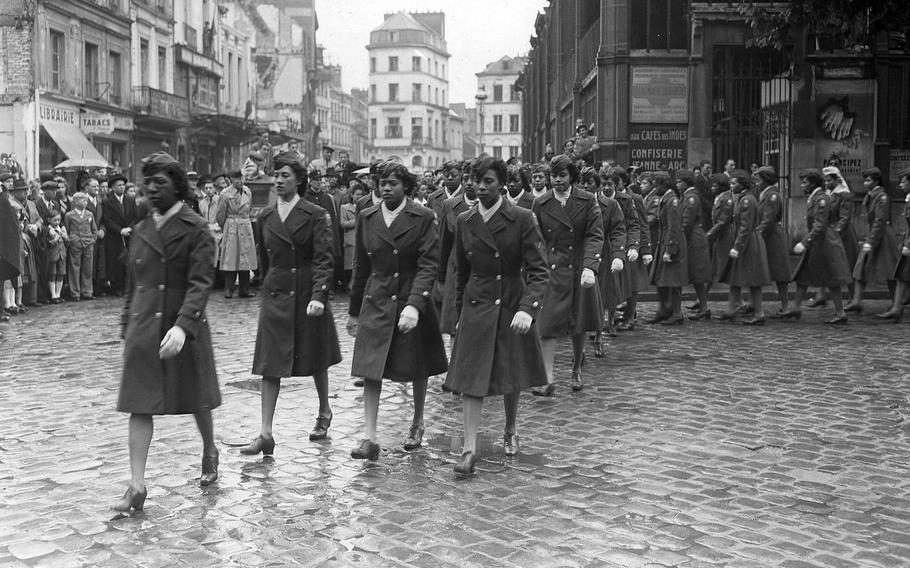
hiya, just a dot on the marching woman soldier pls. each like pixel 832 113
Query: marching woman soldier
pixel 614 247
pixel 168 364
pixel 569 219
pixel 841 208
pixel 638 247
pixel 296 335
pixel 823 262
pixel 902 270
pixel 671 266
pixel 747 263
pixel 518 189
pixel 698 253
pixel 769 227
pixel 720 235
pixel 451 209
pixel 502 278
pixel 391 312
pixel 879 253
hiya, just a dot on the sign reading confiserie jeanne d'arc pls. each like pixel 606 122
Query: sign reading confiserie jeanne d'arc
pixel 659 95
pixel 659 147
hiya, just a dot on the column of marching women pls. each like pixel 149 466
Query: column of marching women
pixel 509 260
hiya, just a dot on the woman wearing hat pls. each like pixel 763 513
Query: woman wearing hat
pixel 296 336
pixel 841 208
pixel 570 221
pixel 823 262
pixel 237 256
pixel 879 253
pixel 720 235
pixel 670 271
pixel 902 269
pixel 638 248
pixel 168 364
pixel 392 316
pixel 698 253
pixel 769 227
pixel 747 262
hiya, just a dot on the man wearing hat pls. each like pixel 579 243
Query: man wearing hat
pixel 6 178
pixel 326 162
pixel 34 228
pixel 770 210
pixel 118 215
pixel 315 194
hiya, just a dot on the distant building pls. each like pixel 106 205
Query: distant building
pixel 360 126
pixel 409 90
pixel 500 134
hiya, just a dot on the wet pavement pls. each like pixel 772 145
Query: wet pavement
pixel 710 444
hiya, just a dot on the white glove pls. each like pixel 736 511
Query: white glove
pixel 353 324
pixel 800 248
pixel 734 253
pixel 616 265
pixel 315 308
pixel 667 258
pixel 101 233
pixel 905 251
pixel 125 232
pixel 647 259
pixel 408 319
pixel 632 255
pixel 587 278
pixel 867 247
pixel 521 323
pixel 172 343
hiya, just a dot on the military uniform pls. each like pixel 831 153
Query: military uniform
pixel 824 263
pixel 721 232
pixel 448 218
pixel 769 227
pixel 675 272
pixel 698 253
pixel 614 246
pixel 750 269
pixel 878 264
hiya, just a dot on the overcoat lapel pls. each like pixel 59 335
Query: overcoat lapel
pixel 273 224
pixel 379 226
pixel 149 234
pixel 502 218
pixel 574 205
pixel 555 209
pixel 403 223
pixel 481 230
pixel 296 220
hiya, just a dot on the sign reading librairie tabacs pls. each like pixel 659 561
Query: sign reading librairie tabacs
pixel 659 94
pixel 659 147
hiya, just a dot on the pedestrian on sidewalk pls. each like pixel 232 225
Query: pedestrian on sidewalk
pixel 824 261
pixel 56 239
pixel 501 281
pixel 391 313
pixel 296 335
pixel 168 363
pixel 83 232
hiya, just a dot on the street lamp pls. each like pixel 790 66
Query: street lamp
pixel 481 97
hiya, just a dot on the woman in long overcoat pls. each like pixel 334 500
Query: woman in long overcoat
pixel 902 269
pixel 238 247
pixel 720 235
pixel 451 209
pixel 698 253
pixel 823 262
pixel 638 247
pixel 746 265
pixel 296 335
pixel 570 222
pixel 501 280
pixel 614 248
pixel 391 314
pixel 168 363
pixel 769 227
pixel 879 253
pixel 841 208
pixel 670 271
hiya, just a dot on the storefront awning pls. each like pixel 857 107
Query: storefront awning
pixel 72 141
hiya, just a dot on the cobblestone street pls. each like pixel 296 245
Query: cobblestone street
pixel 711 444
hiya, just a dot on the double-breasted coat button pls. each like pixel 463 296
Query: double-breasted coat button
pixel 570 247
pixel 425 293
pixel 395 275
pixel 291 293
pixel 161 286
pixel 498 301
pixel 394 251
pixel 553 267
pixel 293 271
pixel 324 286
pixel 495 255
pixel 394 297
pixel 499 276
pixel 158 315
pixel 163 259
pixel 535 304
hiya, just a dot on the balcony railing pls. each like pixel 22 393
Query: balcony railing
pixel 189 34
pixel 393 132
pixel 155 103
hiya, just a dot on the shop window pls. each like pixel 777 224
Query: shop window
pixel 659 25
pixel 58 56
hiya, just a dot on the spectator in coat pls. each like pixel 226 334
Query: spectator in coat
pixel 296 334
pixel 391 314
pixel 119 214
pixel 83 232
pixel 501 281
pixel 237 253
pixel 168 362
pixel 880 252
pixel 823 262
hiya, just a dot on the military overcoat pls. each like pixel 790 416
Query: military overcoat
pixel 769 227
pixel 169 277
pixel 750 268
pixel 448 217
pixel 698 253
pixel 841 209
pixel 500 270
pixel 824 263
pixel 720 236
pixel 878 264
pixel 394 267
pixel 902 269
pixel 671 239
pixel 611 288
pixel 296 267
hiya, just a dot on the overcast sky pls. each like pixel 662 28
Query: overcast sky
pixel 478 32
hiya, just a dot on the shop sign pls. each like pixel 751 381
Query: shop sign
pixel 97 123
pixel 900 163
pixel 659 146
pixel 62 115
pixel 844 122
pixel 659 94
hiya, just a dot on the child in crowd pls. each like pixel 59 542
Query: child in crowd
pixel 56 256
pixel 82 229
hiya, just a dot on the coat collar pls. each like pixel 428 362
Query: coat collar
pixel 499 221
pixel 172 230
pixel 298 217
pixel 405 221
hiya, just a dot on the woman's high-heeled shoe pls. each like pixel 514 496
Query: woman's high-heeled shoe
pixel 209 470
pixel 368 450
pixel 321 429
pixel 792 313
pixel 755 321
pixel 577 382
pixel 132 499
pixel 415 437
pixel 465 465
pixel 702 315
pixel 598 346
pixel 837 320
pixel 260 444
pixel 891 314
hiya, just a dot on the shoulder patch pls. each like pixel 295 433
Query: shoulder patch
pixel 691 200
pixel 822 202
pixel 674 202
pixel 773 197
pixel 745 203
pixel 884 198
pixel 729 202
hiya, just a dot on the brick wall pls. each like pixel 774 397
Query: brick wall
pixel 16 22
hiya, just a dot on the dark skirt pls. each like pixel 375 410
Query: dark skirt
pixel 824 264
pixel 879 264
pixel 778 254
